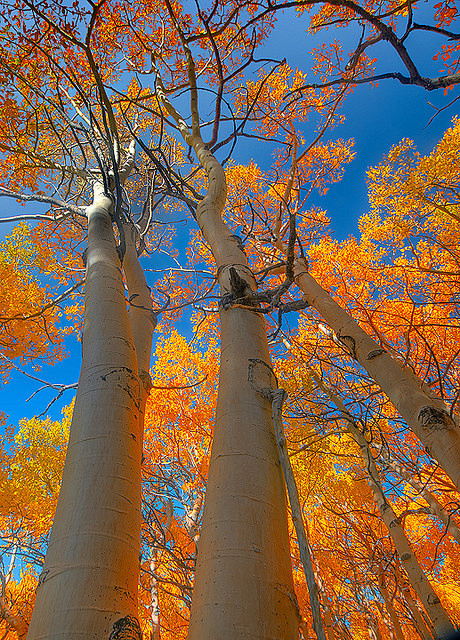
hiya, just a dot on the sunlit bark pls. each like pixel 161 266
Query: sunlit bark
pixel 88 586
pixel 417 619
pixel 142 320
pixel 243 587
pixel 277 397
pixel 154 598
pixel 390 608
pixel 434 506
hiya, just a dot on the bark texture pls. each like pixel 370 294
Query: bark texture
pixel 434 506
pixel 88 587
pixel 243 586
pixel 418 621
pixel 154 598
pixel 390 608
pixel 278 396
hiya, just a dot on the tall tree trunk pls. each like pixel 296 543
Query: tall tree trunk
pixel 327 611
pixel 438 616
pixel 13 621
pixel 424 414
pixel 373 628
pixel 417 619
pixel 386 620
pixel 328 623
pixel 278 396
pixel 434 506
pixel 154 597
pixel 243 585
pixel 89 583
pixel 142 320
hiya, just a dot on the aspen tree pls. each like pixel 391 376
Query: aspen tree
pixel 432 424
pixel 277 396
pixel 243 585
pixel 88 585
pixel 420 624
pixel 389 606
pixel 142 319
pixel 434 506
pixel 386 620
pixel 154 597
pixel 437 428
pixel 14 622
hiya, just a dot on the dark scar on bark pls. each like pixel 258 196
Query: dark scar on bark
pixel 238 285
pixel 126 628
pixel 433 419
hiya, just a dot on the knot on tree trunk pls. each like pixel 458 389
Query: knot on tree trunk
pixel 126 628
pixel 432 599
pixel 238 285
pixel 146 380
pixel 240 291
pixel 432 419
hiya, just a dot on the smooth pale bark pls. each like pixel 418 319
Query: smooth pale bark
pixel 328 624
pixel 277 397
pixel 191 519
pixel 432 424
pixel 373 629
pixel 243 586
pixel 154 598
pixel 142 320
pixel 15 622
pixel 417 619
pixel 88 586
pixel 438 616
pixel 327 611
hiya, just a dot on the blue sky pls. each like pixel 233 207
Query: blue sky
pixel 376 118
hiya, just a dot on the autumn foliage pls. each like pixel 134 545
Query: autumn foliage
pixel 84 85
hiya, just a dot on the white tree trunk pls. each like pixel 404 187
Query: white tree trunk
pixel 434 505
pixel 438 616
pixel 243 586
pixel 142 320
pixel 89 583
pixel 390 608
